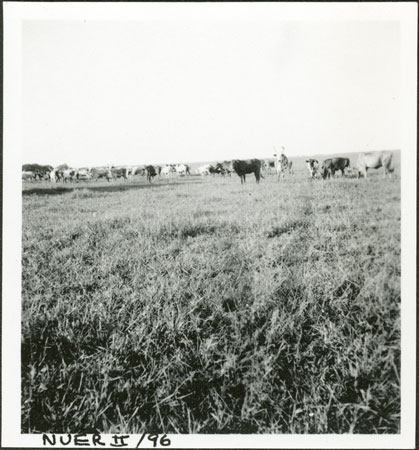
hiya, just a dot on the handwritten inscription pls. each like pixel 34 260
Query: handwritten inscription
pixel 114 440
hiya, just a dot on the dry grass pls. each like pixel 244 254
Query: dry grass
pixel 201 306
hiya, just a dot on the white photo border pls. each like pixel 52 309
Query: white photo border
pixel 16 12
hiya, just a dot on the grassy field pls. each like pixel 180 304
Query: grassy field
pixel 204 306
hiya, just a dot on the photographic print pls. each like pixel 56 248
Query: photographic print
pixel 212 224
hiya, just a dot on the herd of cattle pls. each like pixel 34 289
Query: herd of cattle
pixel 280 165
pixel 66 174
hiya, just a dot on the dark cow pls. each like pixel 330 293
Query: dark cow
pixel 313 167
pixel 151 172
pixel 223 168
pixel 212 169
pixel 243 167
pixel 219 168
pixel 375 160
pixel 331 165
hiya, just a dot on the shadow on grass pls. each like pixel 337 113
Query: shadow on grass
pixel 57 190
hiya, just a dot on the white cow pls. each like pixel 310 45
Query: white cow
pixel 375 160
pixel 167 170
pixel 182 169
pixel 83 174
pixel 69 175
pixel 204 170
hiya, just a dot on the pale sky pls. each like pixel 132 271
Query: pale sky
pixel 135 92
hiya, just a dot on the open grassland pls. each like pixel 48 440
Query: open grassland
pixel 202 306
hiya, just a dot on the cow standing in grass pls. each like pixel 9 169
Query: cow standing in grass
pixel 167 170
pixel 151 173
pixel 219 168
pixel 244 167
pixel 204 170
pixel 182 169
pixel 375 160
pixel 332 165
pixel 83 174
pixel 140 170
pixel 119 172
pixel 313 167
pixel 102 172
pixel 68 175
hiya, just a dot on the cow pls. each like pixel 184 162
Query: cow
pixel 204 170
pixel 134 170
pixel 219 169
pixel 282 164
pixel 46 170
pixel 331 165
pixel 59 174
pixel 151 172
pixel 119 172
pixel 40 171
pixel 28 175
pixel 102 172
pixel 167 170
pixel 213 170
pixel 68 175
pixel 313 167
pixel 182 169
pixel 138 170
pixel 83 174
pixel 243 167
pixel 375 160
pixel 130 171
pixel 223 168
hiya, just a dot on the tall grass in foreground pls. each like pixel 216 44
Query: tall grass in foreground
pixel 208 307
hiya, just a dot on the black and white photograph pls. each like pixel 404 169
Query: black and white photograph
pixel 209 225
